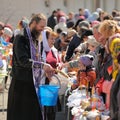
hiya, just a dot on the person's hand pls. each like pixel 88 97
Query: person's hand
pixel 59 66
pixel 65 65
pixel 49 70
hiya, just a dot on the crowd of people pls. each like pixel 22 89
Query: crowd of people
pixel 87 43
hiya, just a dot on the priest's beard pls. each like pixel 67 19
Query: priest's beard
pixel 35 33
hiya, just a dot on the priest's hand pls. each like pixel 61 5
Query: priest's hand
pixel 49 70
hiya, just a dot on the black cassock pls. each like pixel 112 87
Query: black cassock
pixel 22 99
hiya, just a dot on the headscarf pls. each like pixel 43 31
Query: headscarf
pixel 94 16
pixel 46 47
pixel 87 13
pixel 114 46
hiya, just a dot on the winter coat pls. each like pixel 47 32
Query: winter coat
pixel 52 21
pixel 74 43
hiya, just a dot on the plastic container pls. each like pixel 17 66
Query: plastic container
pixel 48 94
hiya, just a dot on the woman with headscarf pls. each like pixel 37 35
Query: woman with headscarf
pixel 110 30
pixel 49 55
pixel 94 16
pixel 87 13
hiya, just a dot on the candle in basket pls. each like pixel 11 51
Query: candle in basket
pixel 93 99
pixel 93 90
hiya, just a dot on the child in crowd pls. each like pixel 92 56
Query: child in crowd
pixel 86 74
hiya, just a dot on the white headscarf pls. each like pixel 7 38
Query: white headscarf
pixel 46 47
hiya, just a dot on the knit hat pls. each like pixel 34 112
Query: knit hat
pixel 92 41
pixel 86 59
pixel 84 24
